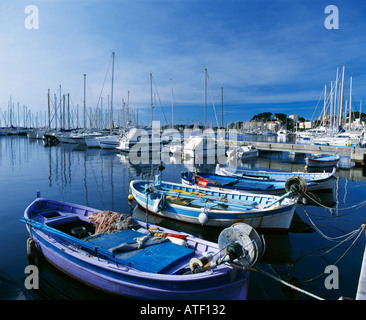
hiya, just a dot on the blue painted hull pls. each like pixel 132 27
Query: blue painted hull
pixel 274 181
pixel 219 208
pixel 322 161
pixel 236 183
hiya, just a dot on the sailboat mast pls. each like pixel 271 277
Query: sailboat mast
pixel 205 98
pixel 56 110
pixel 335 101
pixel 128 107
pixel 63 112
pixel 350 102
pixel 151 99
pixel 325 107
pixel 360 121
pixel 331 107
pixel 171 101
pixel 49 111
pixel 68 111
pixel 222 107
pixel 341 100
pixel 112 93
pixel 84 101
pixel 60 109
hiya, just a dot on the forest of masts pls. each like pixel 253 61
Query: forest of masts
pixel 62 114
pixel 337 108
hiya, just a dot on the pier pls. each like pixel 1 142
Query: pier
pixel 356 154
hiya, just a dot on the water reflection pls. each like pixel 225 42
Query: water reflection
pixel 101 179
pixel 10 289
pixel 56 285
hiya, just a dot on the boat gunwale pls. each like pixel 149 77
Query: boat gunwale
pixel 217 193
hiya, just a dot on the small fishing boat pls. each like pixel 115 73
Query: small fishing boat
pixel 325 160
pixel 123 257
pixel 243 152
pixel 316 181
pixel 219 182
pixel 220 208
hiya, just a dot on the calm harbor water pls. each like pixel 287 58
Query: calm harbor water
pixel 100 179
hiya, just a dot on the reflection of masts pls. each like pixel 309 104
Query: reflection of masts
pixel 337 194
pixel 50 168
pixel 112 185
pixel 49 111
pixel 85 184
pixel 345 191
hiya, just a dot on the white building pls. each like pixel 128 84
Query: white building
pixel 294 117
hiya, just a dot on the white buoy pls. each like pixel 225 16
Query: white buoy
pixel 203 218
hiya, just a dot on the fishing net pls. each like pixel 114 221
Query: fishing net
pixel 110 221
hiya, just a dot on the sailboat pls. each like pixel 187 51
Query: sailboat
pixel 203 143
pixel 110 141
pixel 198 144
pixel 338 132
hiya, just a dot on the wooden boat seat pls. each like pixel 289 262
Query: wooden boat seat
pixel 156 258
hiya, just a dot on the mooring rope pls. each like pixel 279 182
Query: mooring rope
pixel 341 257
pixel 340 239
pixel 286 283
pixel 357 206
pixel 347 236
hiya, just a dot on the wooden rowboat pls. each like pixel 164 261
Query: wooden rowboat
pixel 219 208
pixel 130 261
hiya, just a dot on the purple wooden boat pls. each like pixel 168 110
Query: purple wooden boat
pixel 130 262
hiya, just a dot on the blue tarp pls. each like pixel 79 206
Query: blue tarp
pixel 155 258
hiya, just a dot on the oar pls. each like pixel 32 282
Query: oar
pixel 185 194
pixel 279 199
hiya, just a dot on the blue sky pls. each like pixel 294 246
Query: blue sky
pixel 269 56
